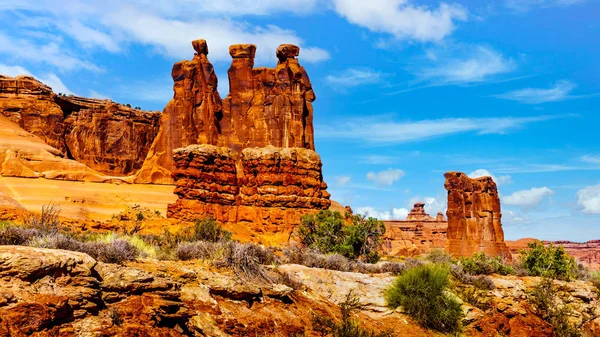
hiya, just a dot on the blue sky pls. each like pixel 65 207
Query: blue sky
pixel 406 90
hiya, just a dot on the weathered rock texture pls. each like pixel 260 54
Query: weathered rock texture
pixel 416 235
pixel 265 106
pixel 108 137
pixel 474 216
pixel 263 186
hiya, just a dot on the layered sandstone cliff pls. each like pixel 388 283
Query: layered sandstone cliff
pixel 474 216
pixel 265 106
pixel 110 138
pixel 262 186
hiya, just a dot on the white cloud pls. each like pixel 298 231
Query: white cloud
pixel 13 71
pixel 354 77
pixel 387 177
pixel 433 205
pixel 465 64
pixel 95 94
pixel 528 199
pixel 499 180
pixel 46 53
pixel 589 199
pixel 169 28
pixel 50 79
pixel 393 214
pixel 342 180
pixel 402 19
pixel 559 92
pixel 525 5
pixel 55 83
pixel 385 131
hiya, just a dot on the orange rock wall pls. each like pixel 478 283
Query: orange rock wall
pixel 265 106
pixel 263 186
pixel 108 137
pixel 474 216
pixel 414 237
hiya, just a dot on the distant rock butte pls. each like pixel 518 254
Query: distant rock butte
pixel 265 106
pixel 108 137
pixel 260 187
pixel 416 235
pixel 474 216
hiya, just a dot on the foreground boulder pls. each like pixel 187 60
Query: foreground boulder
pixel 474 216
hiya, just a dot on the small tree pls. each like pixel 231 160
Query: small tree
pixel 328 232
pixel 550 261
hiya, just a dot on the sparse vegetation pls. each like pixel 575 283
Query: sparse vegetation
pixel 422 292
pixel 346 327
pixel 481 264
pixel 328 232
pixel 552 262
pixel 545 297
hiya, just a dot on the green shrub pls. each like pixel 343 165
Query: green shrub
pixel 347 327
pixel 423 292
pixel 439 256
pixel 553 262
pixel 206 229
pixel 327 232
pixel 481 264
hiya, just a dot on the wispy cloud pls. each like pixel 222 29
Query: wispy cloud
pixel 354 77
pixel 342 180
pixel 402 19
pixel 465 65
pixel 561 91
pixel 385 178
pixel 113 25
pixel 379 160
pixel 526 5
pixel 383 130
pixel 592 159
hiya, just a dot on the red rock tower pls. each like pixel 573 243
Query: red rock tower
pixel 474 216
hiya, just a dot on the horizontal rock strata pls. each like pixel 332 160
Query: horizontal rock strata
pixel 258 185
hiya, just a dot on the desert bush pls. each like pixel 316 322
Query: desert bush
pixel 17 235
pixel 395 268
pixel 327 232
pixel 481 264
pixel 346 327
pixel 545 298
pixel 552 262
pixel 47 221
pixel 195 250
pixel 207 229
pixel 116 251
pixel 423 292
pixel 57 241
pixel 439 256
pixel 594 278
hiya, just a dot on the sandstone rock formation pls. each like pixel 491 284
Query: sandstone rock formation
pixel 416 235
pixel 262 186
pixel 25 155
pixel 474 216
pixel 108 137
pixel 265 106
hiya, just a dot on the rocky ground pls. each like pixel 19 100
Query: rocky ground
pixel 47 292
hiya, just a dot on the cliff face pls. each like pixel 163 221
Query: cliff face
pixel 474 216
pixel 108 137
pixel 265 106
pixel 259 186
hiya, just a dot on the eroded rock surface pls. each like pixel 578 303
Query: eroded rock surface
pixel 259 186
pixel 264 107
pixel 110 138
pixel 474 216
